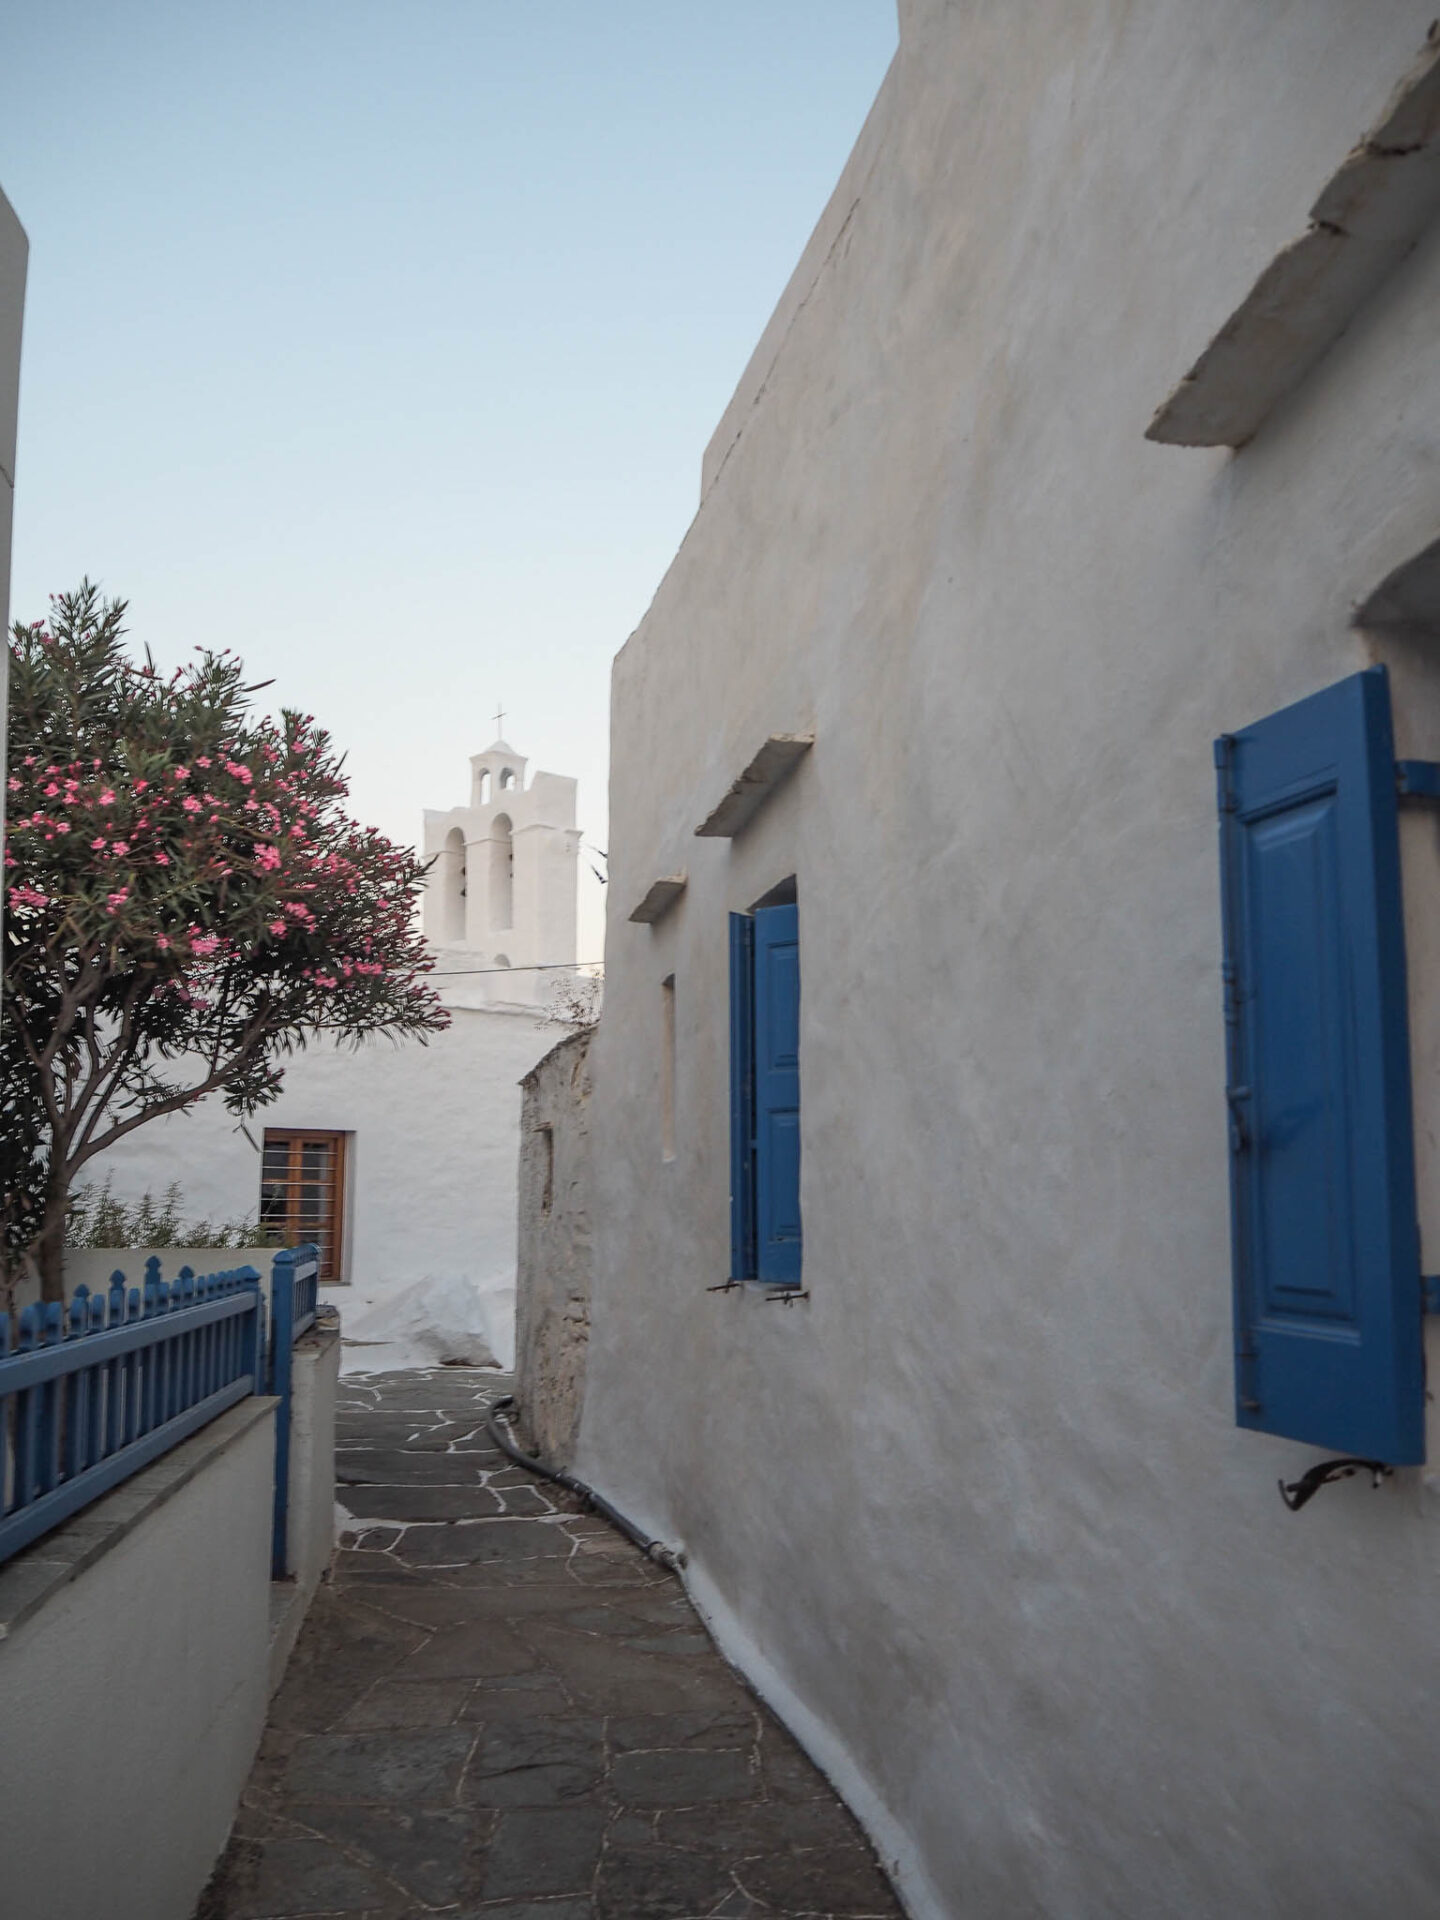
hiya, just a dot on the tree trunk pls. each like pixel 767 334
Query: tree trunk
pixel 48 1249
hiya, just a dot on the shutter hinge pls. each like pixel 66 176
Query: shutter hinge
pixel 1418 780
pixel 1430 1293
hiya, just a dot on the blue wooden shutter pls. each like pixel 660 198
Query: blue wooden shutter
pixel 1324 1238
pixel 742 1097
pixel 777 1094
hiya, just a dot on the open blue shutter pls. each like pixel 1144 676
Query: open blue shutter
pixel 777 1094
pixel 1324 1239
pixel 742 1097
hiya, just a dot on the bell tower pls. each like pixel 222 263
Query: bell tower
pixel 499 902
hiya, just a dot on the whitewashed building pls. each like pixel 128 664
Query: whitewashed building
pixel 400 1159
pixel 915 1026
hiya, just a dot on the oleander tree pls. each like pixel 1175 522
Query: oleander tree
pixel 187 903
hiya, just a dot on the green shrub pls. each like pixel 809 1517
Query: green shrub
pixel 98 1219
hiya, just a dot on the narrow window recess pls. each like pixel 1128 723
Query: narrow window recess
pixel 302 1192
pixel 502 874
pixel 547 1167
pixel 1407 600
pixel 667 1068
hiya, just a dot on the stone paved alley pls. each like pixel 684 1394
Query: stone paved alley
pixel 500 1707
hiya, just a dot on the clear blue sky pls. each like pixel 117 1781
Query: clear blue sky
pixel 380 339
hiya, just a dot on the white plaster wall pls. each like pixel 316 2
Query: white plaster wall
pixel 132 1702
pixel 432 1164
pixel 977 1514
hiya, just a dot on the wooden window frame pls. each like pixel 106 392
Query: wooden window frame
pixel 333 1249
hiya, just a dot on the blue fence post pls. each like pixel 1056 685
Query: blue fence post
pixel 282 1368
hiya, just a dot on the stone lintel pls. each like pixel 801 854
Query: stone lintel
pixel 774 763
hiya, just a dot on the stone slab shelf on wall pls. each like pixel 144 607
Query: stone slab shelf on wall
pixel 1370 214
pixel 658 901
pixel 772 765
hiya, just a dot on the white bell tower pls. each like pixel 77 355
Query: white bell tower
pixel 501 893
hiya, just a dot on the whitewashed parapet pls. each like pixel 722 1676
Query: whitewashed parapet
pixel 661 897
pixel 772 765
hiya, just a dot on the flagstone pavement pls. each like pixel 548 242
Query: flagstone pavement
pixel 500 1708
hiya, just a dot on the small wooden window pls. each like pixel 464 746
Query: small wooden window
pixel 302 1192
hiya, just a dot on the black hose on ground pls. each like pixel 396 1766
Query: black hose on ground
pixel 498 1426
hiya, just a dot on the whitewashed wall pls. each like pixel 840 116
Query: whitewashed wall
pixel 430 1177
pixel 976 1515
pixel 134 1697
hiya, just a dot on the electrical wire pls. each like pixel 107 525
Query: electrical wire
pixel 547 966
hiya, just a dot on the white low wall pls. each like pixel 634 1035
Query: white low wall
pixel 134 1681
pixel 139 1646
pixel 93 1266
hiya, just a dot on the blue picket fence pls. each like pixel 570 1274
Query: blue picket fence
pixel 93 1392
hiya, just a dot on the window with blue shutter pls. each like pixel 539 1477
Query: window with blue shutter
pixel 765 1233
pixel 1324 1241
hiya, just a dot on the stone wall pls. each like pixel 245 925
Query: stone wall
pixel 552 1309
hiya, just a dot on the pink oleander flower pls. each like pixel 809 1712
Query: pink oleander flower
pixel 267 858
pixel 119 846
pixel 114 901
pixel 190 803
pixel 107 798
pixel 205 945
pixel 28 897
pixel 162 859
pixel 98 845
